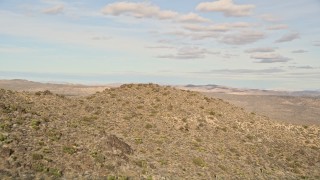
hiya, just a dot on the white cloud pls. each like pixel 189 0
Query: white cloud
pixel 269 58
pixel 299 51
pixel 278 27
pixel 244 37
pixel 265 49
pixel 302 67
pixel 223 27
pixel 288 37
pixel 100 38
pixel 69 33
pixel 192 18
pixel 54 10
pixel 147 10
pixel 227 7
pixel 316 43
pixel 159 47
pixel 138 10
pixel 244 71
pixel 188 53
pixel 270 18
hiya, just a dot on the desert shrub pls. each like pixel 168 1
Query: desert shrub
pixel 148 126
pixel 69 150
pixel 184 119
pixel 3 137
pixel 110 167
pixel 35 124
pixel 54 136
pixel 36 156
pixel 110 177
pixel 198 139
pixel 55 172
pixel 212 113
pixel 38 167
pixel 47 92
pixel 141 163
pixel 139 107
pixel 89 118
pixel 224 129
pixel 199 162
pixel 163 162
pixel 98 157
pixel 138 141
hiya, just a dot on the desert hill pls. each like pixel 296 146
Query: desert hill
pixel 147 131
pixel 66 89
pixel 293 107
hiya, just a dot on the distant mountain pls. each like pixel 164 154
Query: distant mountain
pixel 230 90
pixel 65 88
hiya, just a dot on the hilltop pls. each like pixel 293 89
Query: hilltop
pixel 147 131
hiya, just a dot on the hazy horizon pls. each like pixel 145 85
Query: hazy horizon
pixel 236 43
pixel 107 79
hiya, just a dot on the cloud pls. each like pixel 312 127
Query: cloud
pixel 227 7
pixel 192 18
pixel 255 50
pixel 270 18
pixel 138 10
pixel 223 27
pixel 159 47
pixel 244 71
pixel 14 49
pixel 54 10
pixel 269 58
pixel 147 10
pixel 302 67
pixel 316 43
pixel 244 37
pixel 100 38
pixel 192 35
pixel 278 27
pixel 188 53
pixel 299 51
pixel 228 55
pixel 288 37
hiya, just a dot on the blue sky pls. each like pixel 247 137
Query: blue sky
pixel 241 43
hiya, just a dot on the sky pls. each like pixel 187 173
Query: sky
pixel 239 43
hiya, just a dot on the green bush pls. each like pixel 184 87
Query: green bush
pixel 35 124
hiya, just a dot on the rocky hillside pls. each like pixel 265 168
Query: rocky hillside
pixel 145 131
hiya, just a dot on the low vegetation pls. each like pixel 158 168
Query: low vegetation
pixel 147 131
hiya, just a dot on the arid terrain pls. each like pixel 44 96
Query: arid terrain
pixel 293 107
pixel 147 131
pixel 303 110
pixel 296 107
pixel 64 89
